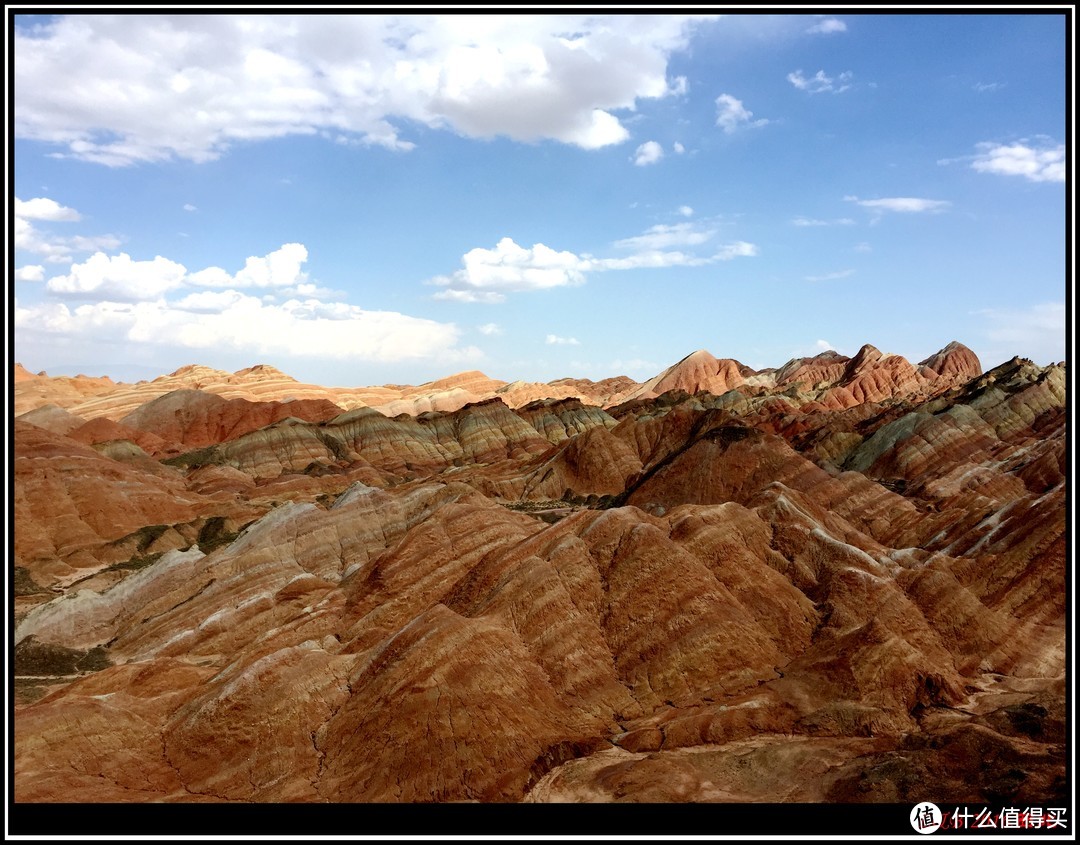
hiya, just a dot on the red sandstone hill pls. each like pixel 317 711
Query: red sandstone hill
pixel 840 580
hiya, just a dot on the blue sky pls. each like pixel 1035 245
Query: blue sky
pixel 370 199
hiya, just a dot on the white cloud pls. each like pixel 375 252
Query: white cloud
pixel 812 221
pixel 739 249
pixel 648 153
pixel 679 86
pixel 278 269
pixel 828 26
pixel 819 83
pixel 189 207
pixel 862 246
pixel 686 211
pixel 208 301
pixel 229 320
pixel 30 273
pixel 826 277
pixel 731 115
pixel 823 345
pixel 118 277
pixel 144 88
pixel 490 329
pixel 988 86
pixel 679 148
pixel 54 248
pixel 42 208
pixel 489 297
pixel 1043 163
pixel 906 205
pixel 562 341
pixel 662 236
pixel 1036 332
pixel 488 275
pixel 659 258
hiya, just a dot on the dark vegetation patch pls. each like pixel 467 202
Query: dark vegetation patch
pixel 196 458
pixel 334 445
pixel 135 563
pixel 214 534
pixel 24 584
pixel 38 658
pixel 143 538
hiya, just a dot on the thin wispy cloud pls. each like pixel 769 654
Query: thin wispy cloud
pixel 732 115
pixel 828 26
pixel 1040 328
pixel 663 236
pixel 819 83
pixel 902 205
pixel 555 340
pixel 828 277
pixel 490 329
pixel 806 222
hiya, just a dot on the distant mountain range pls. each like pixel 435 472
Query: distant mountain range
pixel 840 580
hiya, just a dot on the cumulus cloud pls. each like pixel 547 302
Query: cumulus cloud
pixel 562 341
pixel 904 205
pixel 30 273
pixel 823 346
pixel 819 83
pixel 214 320
pixel 648 153
pixel 490 329
pixel 189 207
pixel 679 148
pixel 827 27
pixel 119 277
pixel 1041 162
pixel 43 208
pixel 813 221
pixel 732 115
pixel 54 248
pixel 278 269
pixel 118 90
pixel 826 277
pixel 488 275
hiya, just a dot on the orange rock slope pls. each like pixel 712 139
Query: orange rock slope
pixel 838 581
